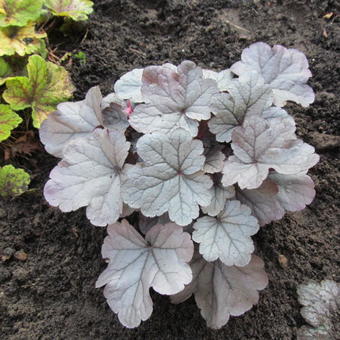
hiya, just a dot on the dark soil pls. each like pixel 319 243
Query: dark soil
pixel 51 295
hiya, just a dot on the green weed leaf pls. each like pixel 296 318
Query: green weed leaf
pixel 8 121
pixel 20 40
pixel 13 182
pixel 19 12
pixel 45 86
pixel 5 71
pixel 77 10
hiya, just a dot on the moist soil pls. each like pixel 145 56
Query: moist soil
pixel 51 294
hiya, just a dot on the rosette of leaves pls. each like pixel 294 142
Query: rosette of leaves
pixel 196 156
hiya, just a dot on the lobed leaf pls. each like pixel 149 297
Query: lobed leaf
pixel 146 223
pixel 320 301
pixel 260 145
pixel 170 178
pixel 221 291
pixel 72 120
pixel 46 85
pixel 5 71
pixel 90 174
pixel 9 120
pixel 19 12
pixel 277 194
pixel 137 264
pixel 13 181
pixel 20 40
pixel 219 194
pixel 214 159
pixel 222 78
pixel 227 236
pixel 77 10
pixel 129 85
pixel 284 70
pixel 247 96
pixel 177 98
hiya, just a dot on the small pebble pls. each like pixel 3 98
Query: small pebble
pixel 8 251
pixel 20 255
pixel 283 261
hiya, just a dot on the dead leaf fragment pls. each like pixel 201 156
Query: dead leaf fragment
pixel 21 255
pixel 328 15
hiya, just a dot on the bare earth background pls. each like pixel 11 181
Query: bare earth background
pixel 51 295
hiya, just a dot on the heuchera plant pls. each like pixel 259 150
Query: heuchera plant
pixel 197 157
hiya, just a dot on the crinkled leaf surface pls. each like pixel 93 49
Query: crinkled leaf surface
pixel 221 291
pixel 46 86
pixel 8 121
pixel 13 182
pixel 78 119
pixel 177 98
pixel 227 236
pixel 75 9
pixel 247 95
pixel 276 195
pixel 136 264
pixel 170 178
pixel 319 301
pixel 90 175
pixel 222 78
pixel 214 159
pixel 260 145
pixel 285 70
pixel 19 12
pixel 129 85
pixel 20 40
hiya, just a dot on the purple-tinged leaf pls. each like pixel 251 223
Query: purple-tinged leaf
pixel 260 145
pixel 222 78
pixel 247 96
pixel 285 70
pixel 221 291
pixel 90 175
pixel 146 223
pixel 227 236
pixel 214 159
pixel 170 178
pixel 295 191
pixel 277 194
pixel 220 194
pixel 177 98
pixel 137 264
pixel 78 119
pixel 319 301
pixel 129 86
